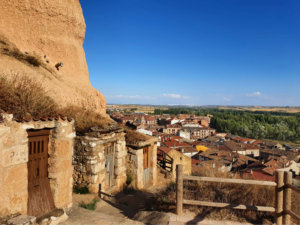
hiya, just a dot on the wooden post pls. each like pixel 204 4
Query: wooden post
pixel 287 197
pixel 279 197
pixel 179 189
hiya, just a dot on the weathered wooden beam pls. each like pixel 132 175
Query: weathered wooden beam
pixel 293 188
pixel 293 215
pixel 179 189
pixel 287 197
pixel 279 200
pixel 229 205
pixel 229 180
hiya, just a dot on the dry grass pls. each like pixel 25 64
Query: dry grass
pixel 133 137
pixel 24 97
pixel 226 193
pixel 17 54
pixel 85 119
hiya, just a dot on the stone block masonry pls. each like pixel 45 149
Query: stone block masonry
pixel 99 161
pixel 143 175
pixel 14 158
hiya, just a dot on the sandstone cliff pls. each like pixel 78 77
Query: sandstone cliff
pixel 53 30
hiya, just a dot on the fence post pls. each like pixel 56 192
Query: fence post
pixel 287 197
pixel 278 197
pixel 179 189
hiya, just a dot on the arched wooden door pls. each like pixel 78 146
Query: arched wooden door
pixel 40 197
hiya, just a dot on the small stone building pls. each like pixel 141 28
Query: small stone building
pixel 141 162
pixel 99 161
pixel 35 164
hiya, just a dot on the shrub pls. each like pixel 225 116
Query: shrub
pixel 81 190
pixel 134 137
pixel 24 97
pixel 3 42
pixel 90 206
pixel 85 119
pixel 33 60
pixel 129 178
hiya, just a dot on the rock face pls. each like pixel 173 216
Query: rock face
pixel 53 30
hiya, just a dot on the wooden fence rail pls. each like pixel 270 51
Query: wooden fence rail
pixel 283 187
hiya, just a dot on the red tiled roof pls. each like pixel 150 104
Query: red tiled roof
pixel 172 142
pixel 250 147
pixel 44 118
pixel 165 149
pixel 224 148
pixel 257 142
pixel 195 161
pixel 259 175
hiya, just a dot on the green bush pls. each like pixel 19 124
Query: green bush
pixel 81 190
pixel 164 200
pixel 129 178
pixel 90 206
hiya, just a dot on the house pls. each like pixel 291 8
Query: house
pixel 289 147
pixel 141 161
pixel 199 132
pixel 231 160
pixel 243 149
pixel 259 175
pixel 99 160
pixel 266 154
pixel 143 131
pixel 184 134
pixel 214 139
pixel 28 187
pixel 187 150
pixel 173 142
pixel 178 158
pixel 172 129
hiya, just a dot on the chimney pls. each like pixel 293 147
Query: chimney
pixel 251 172
pixel 174 145
pixel 213 165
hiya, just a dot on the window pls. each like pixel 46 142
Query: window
pixel 180 158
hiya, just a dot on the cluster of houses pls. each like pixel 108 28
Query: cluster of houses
pixel 184 125
pixel 187 139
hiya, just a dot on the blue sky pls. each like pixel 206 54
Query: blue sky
pixel 201 52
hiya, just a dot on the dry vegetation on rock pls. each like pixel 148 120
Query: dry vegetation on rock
pixel 85 119
pixel 25 98
pixel 133 137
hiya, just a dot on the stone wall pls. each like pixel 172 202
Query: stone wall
pixel 179 158
pixel 89 161
pixel 14 158
pixel 135 166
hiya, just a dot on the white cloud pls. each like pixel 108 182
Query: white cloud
pixel 227 99
pixel 177 96
pixel 254 94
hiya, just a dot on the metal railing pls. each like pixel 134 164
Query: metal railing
pixel 283 187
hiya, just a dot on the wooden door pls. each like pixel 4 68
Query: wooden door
pixel 146 171
pixel 109 165
pixel 40 197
